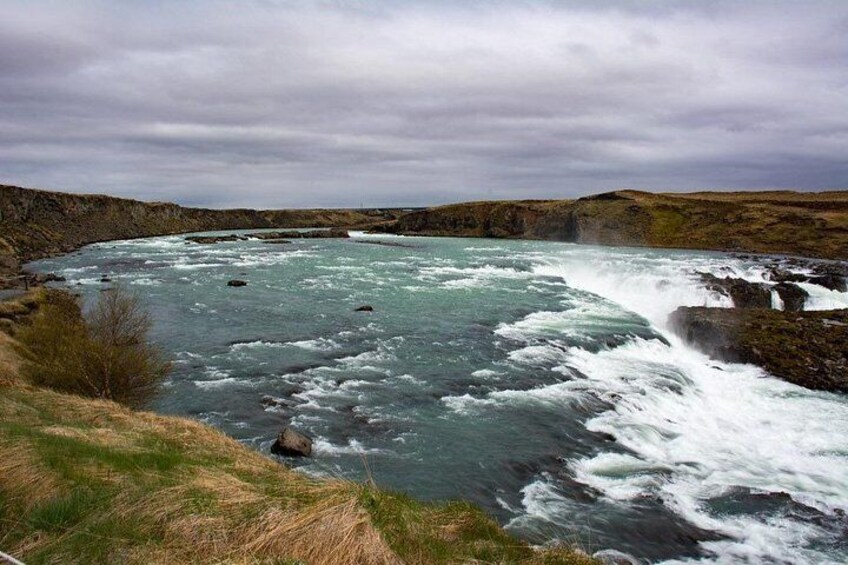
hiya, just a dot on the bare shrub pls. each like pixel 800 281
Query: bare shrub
pixel 103 355
pixel 122 364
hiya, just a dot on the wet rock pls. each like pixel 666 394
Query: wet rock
pixel 364 308
pixel 211 239
pixel 236 282
pixel 105 279
pixel 291 234
pixel 779 276
pixel 744 294
pixel 793 296
pixel 268 400
pixel 833 276
pixel 809 349
pixel 292 444
pixel 277 241
pixel 830 281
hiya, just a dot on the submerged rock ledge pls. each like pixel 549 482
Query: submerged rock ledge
pixel 809 348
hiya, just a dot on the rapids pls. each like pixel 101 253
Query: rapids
pixel 536 379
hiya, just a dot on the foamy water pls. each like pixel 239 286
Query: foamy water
pixel 539 380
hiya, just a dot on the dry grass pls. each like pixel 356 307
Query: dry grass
pixel 24 476
pixel 193 499
pixel 10 361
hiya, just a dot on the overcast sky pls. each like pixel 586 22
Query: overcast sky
pixel 337 103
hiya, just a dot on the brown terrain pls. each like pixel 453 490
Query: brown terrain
pixel 775 222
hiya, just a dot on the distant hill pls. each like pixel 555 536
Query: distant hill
pixel 779 222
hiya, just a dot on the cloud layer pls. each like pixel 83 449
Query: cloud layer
pixel 277 104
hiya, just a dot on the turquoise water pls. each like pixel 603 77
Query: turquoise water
pixel 536 379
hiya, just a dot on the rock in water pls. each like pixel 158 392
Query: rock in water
pixel 793 296
pixel 292 444
pixel 744 294
pixel 236 282
pixel 831 281
pixel 365 308
pixel 210 239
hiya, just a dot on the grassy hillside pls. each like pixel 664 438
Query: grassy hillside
pixel 808 224
pixel 90 481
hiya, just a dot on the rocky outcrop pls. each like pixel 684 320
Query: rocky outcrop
pixel 832 281
pixel 809 349
pixel 332 233
pixel 513 219
pixel 210 239
pixel 793 296
pixel 292 444
pixel 831 275
pixel 744 294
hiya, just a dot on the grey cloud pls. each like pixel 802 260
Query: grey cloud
pixel 335 103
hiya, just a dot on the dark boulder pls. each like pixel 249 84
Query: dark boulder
pixel 779 275
pixel 268 400
pixel 364 308
pixel 744 294
pixel 831 281
pixel 809 349
pixel 292 444
pixel 793 296
pixel 105 279
pixel 236 282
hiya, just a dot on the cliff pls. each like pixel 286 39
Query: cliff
pixel 38 223
pixel 796 223
pixel 476 219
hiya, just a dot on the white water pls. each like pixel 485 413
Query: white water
pixel 697 428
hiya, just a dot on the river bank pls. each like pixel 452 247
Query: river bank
pixel 85 480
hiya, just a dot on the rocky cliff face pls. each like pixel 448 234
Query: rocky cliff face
pixel 37 223
pixel 808 224
pixel 475 219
